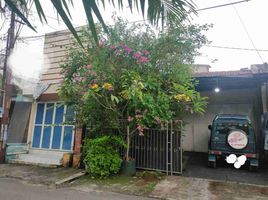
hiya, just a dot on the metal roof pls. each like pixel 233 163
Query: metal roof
pixel 237 73
pixel 238 79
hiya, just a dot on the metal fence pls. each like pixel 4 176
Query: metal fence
pixel 158 149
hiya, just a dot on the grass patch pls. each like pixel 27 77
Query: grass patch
pixel 141 184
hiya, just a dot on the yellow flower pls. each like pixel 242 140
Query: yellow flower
pixel 94 86
pixel 107 86
pixel 182 97
pixel 179 97
pixel 187 99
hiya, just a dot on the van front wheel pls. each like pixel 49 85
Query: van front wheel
pixel 253 168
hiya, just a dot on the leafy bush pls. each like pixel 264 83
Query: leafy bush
pixel 133 80
pixel 101 155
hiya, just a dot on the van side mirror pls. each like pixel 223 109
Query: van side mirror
pixel 209 127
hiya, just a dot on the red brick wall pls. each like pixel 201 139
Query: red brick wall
pixel 78 140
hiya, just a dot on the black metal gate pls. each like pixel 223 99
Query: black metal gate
pixel 159 149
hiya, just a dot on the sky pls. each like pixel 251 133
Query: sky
pixel 240 26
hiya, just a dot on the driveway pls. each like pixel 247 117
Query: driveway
pixel 16 190
pixel 197 168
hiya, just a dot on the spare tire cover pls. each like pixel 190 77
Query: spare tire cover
pixel 237 139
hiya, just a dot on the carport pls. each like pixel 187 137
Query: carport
pixel 239 92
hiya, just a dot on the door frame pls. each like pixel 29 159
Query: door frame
pixel 52 129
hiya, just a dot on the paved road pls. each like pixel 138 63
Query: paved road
pixel 12 189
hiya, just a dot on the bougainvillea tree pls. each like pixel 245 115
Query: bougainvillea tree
pixel 134 75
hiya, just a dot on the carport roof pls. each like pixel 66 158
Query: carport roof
pixel 230 79
pixel 237 73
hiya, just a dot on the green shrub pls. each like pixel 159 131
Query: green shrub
pixel 101 155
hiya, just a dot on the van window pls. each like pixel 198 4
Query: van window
pixel 226 127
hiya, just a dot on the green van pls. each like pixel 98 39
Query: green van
pixel 232 134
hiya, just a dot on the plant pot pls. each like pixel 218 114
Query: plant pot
pixel 66 159
pixel 76 160
pixel 128 168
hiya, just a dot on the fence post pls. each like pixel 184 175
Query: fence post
pixel 171 148
pixel 167 143
pixel 181 146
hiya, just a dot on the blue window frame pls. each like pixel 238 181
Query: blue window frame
pixel 56 137
pixel 52 129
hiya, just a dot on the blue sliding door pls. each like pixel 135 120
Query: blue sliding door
pixel 51 130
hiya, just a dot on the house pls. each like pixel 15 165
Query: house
pixel 49 137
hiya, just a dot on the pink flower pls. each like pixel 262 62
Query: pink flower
pixel 146 52
pixel 140 129
pixel 142 60
pixel 89 66
pixel 102 42
pixel 128 49
pixel 145 111
pixel 112 47
pixel 129 118
pixel 187 108
pixel 79 78
pixel 122 45
pixel 93 73
pixel 138 116
pixel 137 54
pixel 138 111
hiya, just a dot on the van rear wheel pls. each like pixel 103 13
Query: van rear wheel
pixel 212 164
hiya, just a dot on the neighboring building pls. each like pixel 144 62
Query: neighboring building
pixel 198 68
pixel 49 137
pixel 18 110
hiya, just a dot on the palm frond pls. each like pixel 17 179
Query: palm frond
pixel 165 10
pixel 40 11
pixel 58 6
pixel 14 7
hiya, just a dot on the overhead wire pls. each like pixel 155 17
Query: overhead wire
pixel 235 48
pixel 46 24
pixel 202 9
pixel 26 11
pixel 56 19
pixel 247 32
pixel 222 5
pixel 143 20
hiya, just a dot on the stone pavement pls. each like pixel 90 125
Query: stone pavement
pixel 34 174
pixel 171 187
pixel 16 190
pixel 178 187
